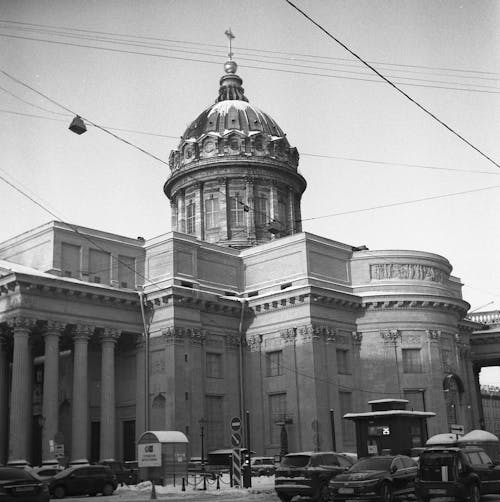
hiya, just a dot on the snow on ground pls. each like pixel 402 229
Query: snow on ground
pixel 261 484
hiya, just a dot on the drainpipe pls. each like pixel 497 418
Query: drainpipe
pixel 146 361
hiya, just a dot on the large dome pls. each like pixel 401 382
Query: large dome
pixel 234 178
pixel 233 128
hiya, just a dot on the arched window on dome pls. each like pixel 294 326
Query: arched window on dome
pixel 237 210
pixel 211 213
pixel 261 210
pixel 191 217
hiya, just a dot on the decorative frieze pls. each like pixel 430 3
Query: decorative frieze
pixel 254 343
pixel 390 335
pixel 289 335
pixel 433 334
pixel 357 337
pixel 405 271
pixel 232 341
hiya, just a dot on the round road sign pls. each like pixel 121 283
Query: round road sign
pixel 235 424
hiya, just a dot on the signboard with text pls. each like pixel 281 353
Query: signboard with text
pixel 149 455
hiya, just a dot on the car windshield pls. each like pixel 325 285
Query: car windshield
pixel 437 458
pixel 295 461
pixel 372 464
pixel 13 473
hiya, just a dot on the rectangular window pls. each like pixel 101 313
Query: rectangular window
pixel 348 435
pixel 412 362
pixel 70 260
pixel 261 211
pixel 274 363
pixel 211 213
pixel 214 365
pixel 415 400
pixel 277 414
pixel 214 424
pixel 343 361
pixel 191 218
pixel 99 266
pixel 237 211
pixel 126 271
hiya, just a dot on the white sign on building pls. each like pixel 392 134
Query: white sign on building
pixel 149 455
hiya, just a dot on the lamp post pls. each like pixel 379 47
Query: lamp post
pixel 202 422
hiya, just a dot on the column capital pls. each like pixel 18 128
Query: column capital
pixel 110 335
pixel 54 327
pixel 433 334
pixel 390 335
pixel 83 332
pixel 21 323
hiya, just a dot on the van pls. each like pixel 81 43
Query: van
pixel 456 472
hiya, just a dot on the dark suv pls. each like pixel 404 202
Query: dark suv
pixel 464 473
pixel 308 474
pixel 83 480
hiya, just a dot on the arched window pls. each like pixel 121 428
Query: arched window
pixel 211 213
pixel 237 210
pixel 191 217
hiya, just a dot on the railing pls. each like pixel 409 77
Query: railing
pixel 492 317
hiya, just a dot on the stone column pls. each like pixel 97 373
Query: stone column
pixel 20 395
pixel 50 403
pixel 140 393
pixel 224 214
pixel 291 225
pixel 181 212
pixel 79 417
pixel 250 202
pixel 4 396
pixel 108 412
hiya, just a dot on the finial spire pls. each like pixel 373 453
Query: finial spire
pixel 230 36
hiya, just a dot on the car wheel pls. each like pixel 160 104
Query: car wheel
pixel 59 492
pixel 386 494
pixel 284 498
pixel 474 493
pixel 108 490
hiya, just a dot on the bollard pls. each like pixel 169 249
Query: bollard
pixel 218 482
pixel 204 482
pixel 153 491
pixel 183 485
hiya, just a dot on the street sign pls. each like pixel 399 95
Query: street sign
pixel 149 454
pixel 235 424
pixel 59 451
pixel 457 429
pixel 235 439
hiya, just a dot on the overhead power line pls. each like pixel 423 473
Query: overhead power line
pixel 393 85
pixel 446 85
pixel 69 31
pixel 402 203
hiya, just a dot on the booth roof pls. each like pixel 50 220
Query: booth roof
pixel 442 439
pixel 478 435
pixel 167 436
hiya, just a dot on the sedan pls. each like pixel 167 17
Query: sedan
pixel 19 485
pixel 376 478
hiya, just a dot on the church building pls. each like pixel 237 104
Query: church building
pixel 235 310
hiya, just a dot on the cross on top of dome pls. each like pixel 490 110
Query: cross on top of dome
pixel 230 83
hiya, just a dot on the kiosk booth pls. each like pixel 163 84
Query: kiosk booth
pixel 162 456
pixel 389 428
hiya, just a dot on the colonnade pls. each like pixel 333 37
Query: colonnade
pixel 19 423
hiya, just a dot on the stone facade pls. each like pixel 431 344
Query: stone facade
pixel 244 312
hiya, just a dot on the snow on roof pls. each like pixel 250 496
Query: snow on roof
pixel 167 436
pixel 479 436
pixel 388 401
pixel 389 413
pixel 441 439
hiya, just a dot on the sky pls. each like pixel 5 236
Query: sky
pixel 145 70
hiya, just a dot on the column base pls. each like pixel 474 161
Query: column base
pixel 18 463
pixel 79 461
pixel 50 462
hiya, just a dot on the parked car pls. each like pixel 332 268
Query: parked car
pixel 308 474
pixel 21 485
pixel 125 475
pixel 83 480
pixel 456 472
pixel 262 466
pixel 47 472
pixel 376 478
